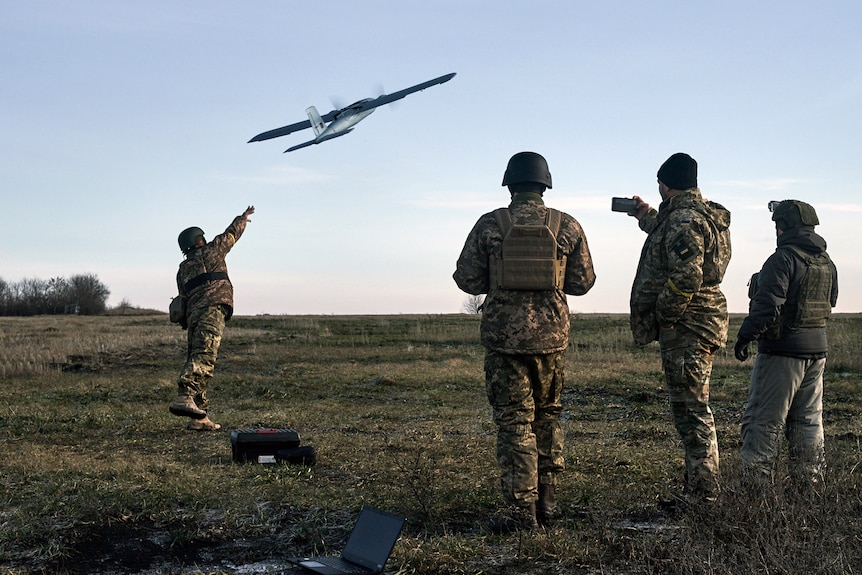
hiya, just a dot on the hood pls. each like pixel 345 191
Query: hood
pixel 692 199
pixel 720 215
pixel 805 238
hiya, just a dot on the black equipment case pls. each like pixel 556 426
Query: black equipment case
pixel 269 446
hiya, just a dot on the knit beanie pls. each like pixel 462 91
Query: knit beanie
pixel 679 172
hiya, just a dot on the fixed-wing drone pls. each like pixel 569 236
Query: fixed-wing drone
pixel 340 122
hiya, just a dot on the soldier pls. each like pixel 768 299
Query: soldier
pixel 791 298
pixel 203 282
pixel 526 258
pixel 676 300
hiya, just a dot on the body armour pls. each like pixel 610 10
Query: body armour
pixel 792 297
pixel 808 302
pixel 529 259
pixel 534 321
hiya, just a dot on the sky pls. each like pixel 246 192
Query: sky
pixel 125 122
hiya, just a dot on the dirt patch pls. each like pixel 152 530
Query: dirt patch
pixel 123 550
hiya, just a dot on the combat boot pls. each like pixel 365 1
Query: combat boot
pixel 546 508
pixel 184 406
pixel 514 519
pixel 205 424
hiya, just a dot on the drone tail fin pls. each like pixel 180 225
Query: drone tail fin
pixel 316 122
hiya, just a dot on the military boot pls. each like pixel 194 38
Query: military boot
pixel 184 406
pixel 546 508
pixel 514 519
pixel 205 424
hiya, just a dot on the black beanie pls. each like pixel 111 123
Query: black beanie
pixel 679 172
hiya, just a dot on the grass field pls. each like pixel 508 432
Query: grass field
pixel 96 476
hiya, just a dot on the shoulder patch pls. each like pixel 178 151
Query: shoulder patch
pixel 682 249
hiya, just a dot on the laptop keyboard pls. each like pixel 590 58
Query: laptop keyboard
pixel 341 565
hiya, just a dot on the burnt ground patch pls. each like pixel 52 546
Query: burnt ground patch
pixel 114 550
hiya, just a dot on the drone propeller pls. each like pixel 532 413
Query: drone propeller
pixel 337 103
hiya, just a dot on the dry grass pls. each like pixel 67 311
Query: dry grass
pixel 97 477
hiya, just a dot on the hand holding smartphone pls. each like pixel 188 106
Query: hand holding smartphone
pixel 627 205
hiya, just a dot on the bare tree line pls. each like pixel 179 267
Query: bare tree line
pixel 80 294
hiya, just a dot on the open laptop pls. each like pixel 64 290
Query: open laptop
pixel 367 549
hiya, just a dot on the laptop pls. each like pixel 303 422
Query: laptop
pixel 367 549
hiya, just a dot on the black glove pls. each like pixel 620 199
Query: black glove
pixel 740 350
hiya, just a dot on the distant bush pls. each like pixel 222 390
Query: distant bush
pixel 80 294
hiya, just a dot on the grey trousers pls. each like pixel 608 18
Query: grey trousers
pixel 786 395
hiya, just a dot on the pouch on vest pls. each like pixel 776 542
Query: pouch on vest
pixel 529 257
pixel 752 285
pixel 177 310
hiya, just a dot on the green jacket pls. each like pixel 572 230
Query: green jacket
pixel 681 268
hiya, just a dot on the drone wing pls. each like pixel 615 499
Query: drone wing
pixel 285 130
pixel 389 98
pixel 368 105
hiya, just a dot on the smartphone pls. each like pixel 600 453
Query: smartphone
pixel 627 205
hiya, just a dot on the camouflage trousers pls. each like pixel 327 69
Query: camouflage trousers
pixel 687 364
pixel 205 328
pixel 786 394
pixel 524 393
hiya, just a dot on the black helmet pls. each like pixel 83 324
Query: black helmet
pixel 188 238
pixel 527 167
pixel 791 214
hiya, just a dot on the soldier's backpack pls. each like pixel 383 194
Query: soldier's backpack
pixel 529 257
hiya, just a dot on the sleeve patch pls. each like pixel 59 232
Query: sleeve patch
pixel 682 249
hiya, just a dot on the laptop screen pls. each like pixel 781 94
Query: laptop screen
pixel 373 538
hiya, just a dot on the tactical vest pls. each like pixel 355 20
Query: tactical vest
pixel 812 306
pixel 808 305
pixel 529 257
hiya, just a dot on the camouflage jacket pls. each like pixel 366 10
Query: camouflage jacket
pixel 524 321
pixel 680 270
pixel 192 280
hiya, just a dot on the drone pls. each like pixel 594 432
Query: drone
pixel 341 121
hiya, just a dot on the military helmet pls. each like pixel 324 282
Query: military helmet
pixel 527 167
pixel 188 238
pixel 791 214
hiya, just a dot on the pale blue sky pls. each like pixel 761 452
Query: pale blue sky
pixel 125 122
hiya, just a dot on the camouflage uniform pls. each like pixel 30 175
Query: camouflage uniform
pixel 676 300
pixel 209 305
pixel 525 334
